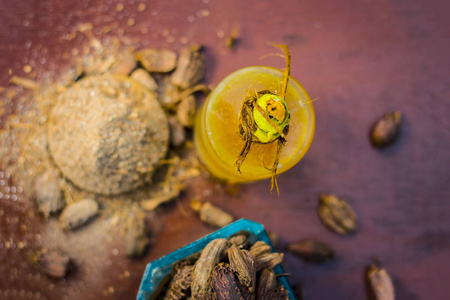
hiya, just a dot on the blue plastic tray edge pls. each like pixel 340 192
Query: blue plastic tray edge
pixel 158 269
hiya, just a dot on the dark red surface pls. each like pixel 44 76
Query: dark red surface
pixel 361 59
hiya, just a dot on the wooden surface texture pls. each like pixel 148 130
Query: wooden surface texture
pixel 360 58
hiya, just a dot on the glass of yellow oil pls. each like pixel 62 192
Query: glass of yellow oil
pixel 217 136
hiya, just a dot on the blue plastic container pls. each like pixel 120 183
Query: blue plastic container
pixel 157 270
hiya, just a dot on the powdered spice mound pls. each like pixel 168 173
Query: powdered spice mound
pixel 107 134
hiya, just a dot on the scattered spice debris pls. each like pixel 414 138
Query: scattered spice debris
pixel 93 143
pixel 337 214
pixel 78 214
pixel 54 263
pixel 311 250
pixel 211 214
pixel 385 131
pixel 379 283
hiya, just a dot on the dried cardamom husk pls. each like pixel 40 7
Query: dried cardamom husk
pixel 259 248
pixel 49 197
pixel 124 63
pixel 249 292
pixel 186 111
pixel 242 263
pixel 385 131
pixel 211 215
pixel 281 293
pixel 379 284
pixel 337 214
pixel 180 284
pixel 157 60
pixel 97 65
pixel 168 94
pixel 267 285
pixel 144 78
pixel 224 283
pixel 79 213
pixel 268 260
pixel 71 75
pixel 311 250
pixel 188 261
pixel 177 133
pixel 136 240
pixel 209 258
pixel 156 200
pixel 240 240
pixel 54 263
pixel 190 68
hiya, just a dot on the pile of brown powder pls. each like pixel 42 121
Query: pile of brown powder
pixel 113 130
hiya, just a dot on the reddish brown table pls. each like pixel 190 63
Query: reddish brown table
pixel 361 59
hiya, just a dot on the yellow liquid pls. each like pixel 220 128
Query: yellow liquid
pixel 217 136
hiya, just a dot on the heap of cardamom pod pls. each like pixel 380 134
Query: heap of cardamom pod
pixel 226 269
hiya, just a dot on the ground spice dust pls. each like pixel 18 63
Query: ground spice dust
pixel 100 134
